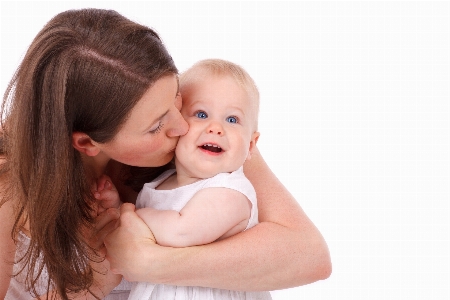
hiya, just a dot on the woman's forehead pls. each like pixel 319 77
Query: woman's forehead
pixel 155 102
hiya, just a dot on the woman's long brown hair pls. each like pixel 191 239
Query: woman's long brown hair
pixel 84 72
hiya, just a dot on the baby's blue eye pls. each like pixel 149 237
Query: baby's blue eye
pixel 201 115
pixel 232 120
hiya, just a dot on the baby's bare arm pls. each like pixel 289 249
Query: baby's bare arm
pixel 209 215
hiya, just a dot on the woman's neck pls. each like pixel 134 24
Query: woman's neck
pixel 94 165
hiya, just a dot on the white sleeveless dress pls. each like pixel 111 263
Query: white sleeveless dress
pixel 18 291
pixel 176 199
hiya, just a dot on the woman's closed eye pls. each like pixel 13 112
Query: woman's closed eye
pixel 157 128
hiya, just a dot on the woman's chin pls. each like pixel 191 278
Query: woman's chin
pixel 164 161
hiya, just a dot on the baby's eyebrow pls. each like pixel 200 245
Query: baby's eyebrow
pixel 239 109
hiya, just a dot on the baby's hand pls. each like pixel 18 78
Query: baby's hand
pixel 106 194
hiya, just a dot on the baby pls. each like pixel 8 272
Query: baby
pixel 207 196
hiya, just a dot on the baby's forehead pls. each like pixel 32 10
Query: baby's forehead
pixel 212 75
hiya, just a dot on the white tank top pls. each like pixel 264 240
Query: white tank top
pixel 176 199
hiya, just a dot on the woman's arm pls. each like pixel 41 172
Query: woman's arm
pixel 283 251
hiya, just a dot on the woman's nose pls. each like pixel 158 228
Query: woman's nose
pixel 179 127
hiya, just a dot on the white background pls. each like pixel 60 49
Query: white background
pixel 355 121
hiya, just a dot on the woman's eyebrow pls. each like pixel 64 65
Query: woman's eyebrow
pixel 162 115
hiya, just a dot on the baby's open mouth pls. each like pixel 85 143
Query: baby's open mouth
pixel 212 148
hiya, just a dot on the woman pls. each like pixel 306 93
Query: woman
pixel 94 92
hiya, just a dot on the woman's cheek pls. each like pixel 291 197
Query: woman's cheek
pixel 141 150
pixel 155 145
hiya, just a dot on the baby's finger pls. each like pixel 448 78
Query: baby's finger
pixel 101 182
pixel 109 199
pixel 94 187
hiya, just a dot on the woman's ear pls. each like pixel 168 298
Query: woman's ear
pixel 83 143
pixel 253 141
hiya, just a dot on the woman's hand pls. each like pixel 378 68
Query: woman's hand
pixel 129 244
pixel 104 279
pixel 104 224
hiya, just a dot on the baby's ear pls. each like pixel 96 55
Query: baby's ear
pixel 83 143
pixel 253 141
